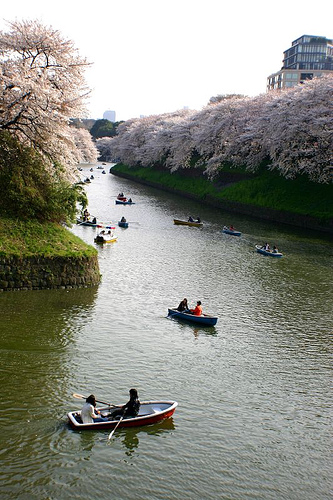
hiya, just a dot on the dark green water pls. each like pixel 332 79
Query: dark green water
pixel 254 417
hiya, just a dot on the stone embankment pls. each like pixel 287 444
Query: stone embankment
pixel 35 273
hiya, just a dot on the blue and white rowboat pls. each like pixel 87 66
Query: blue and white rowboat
pixel 205 319
pixel 268 252
pixel 124 202
pixel 226 230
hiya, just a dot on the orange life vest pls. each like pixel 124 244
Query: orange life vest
pixel 197 311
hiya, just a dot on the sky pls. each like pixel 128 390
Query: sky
pixel 158 56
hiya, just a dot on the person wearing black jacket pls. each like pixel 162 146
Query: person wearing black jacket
pixel 130 409
pixel 183 307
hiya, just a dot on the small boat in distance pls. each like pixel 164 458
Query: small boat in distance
pixel 270 253
pixel 87 223
pixel 150 412
pixel 230 230
pixel 124 201
pixel 205 319
pixel 105 237
pixel 187 223
pixel 123 224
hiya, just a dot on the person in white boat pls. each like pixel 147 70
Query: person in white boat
pixel 89 414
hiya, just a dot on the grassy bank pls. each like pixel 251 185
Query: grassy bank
pixel 31 238
pixel 265 190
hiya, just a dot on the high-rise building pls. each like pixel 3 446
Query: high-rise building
pixel 308 57
pixel 109 115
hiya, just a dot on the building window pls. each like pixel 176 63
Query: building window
pixel 291 76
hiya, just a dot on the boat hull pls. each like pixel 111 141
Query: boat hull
pixel 100 239
pixel 232 233
pixel 187 223
pixel 266 252
pixel 150 412
pixel 87 223
pixel 123 202
pixel 123 224
pixel 200 320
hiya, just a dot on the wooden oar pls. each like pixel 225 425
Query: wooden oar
pixel 112 432
pixel 80 396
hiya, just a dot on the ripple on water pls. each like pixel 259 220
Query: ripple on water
pixel 254 412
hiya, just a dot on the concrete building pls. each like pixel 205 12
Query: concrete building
pixel 109 115
pixel 308 57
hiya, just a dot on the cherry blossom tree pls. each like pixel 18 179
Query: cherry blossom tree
pixel 298 130
pixel 85 148
pixel 41 87
pixel 290 131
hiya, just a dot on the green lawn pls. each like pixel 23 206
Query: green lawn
pixel 28 238
pixel 264 189
pixel 271 190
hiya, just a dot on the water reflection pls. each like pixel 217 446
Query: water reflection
pixel 272 356
pixel 130 437
pixel 196 330
pixel 38 332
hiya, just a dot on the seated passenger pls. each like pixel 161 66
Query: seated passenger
pixel 89 414
pixel 197 311
pixel 86 215
pixel 130 409
pixel 123 219
pixel 275 249
pixel 183 306
pixel 190 219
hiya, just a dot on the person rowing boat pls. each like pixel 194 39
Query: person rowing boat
pixel 131 408
pixel 197 311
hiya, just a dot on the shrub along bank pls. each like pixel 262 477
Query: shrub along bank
pixel 36 255
pixel 264 194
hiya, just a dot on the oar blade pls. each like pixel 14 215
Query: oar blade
pixel 78 396
pixel 111 434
